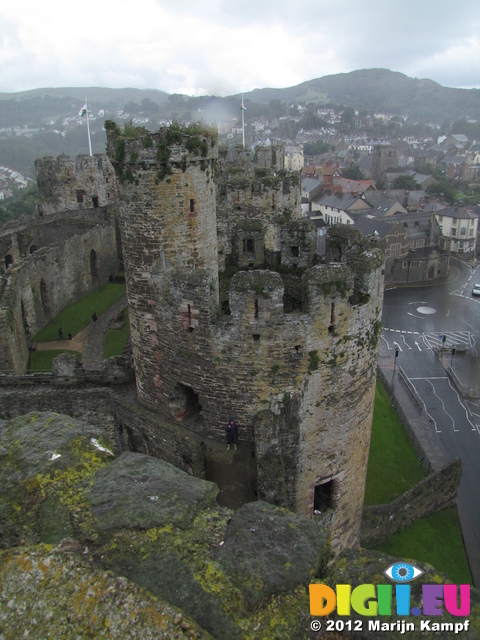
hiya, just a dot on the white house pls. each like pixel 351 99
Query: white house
pixel 459 227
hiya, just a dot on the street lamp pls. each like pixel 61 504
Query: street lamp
pixel 453 354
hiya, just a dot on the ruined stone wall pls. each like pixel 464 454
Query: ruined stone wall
pixel 37 287
pixel 22 239
pixel 435 492
pixel 67 184
pixel 113 409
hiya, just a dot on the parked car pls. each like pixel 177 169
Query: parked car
pixel 476 290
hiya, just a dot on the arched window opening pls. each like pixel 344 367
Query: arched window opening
pixel 93 264
pixel 192 407
pixel 8 260
pixel 44 296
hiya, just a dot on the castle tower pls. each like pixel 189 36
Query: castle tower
pixel 292 356
pixel 67 184
pixel 168 226
pixel 384 157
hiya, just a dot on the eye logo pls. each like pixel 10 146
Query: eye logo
pixel 402 572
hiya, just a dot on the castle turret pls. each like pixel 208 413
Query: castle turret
pixel 168 224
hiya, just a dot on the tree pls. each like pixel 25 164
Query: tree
pixel 442 189
pixel 316 148
pixel 22 204
pixel 347 119
pixel 353 173
pixel 277 108
pixel 405 181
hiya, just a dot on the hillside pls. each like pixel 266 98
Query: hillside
pixel 32 107
pixel 45 121
pixel 380 90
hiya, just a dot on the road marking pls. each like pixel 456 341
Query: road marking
pixel 443 404
pixel 464 407
pixel 437 430
pixel 418 346
pixel 415 333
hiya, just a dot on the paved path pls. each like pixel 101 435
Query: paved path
pixel 89 341
pixel 92 354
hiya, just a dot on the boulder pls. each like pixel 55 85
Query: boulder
pixel 44 458
pixel 141 492
pixel 269 550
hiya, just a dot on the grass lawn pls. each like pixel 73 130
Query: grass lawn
pixel 436 539
pixel 78 315
pixel 41 361
pixel 394 467
pixel 115 340
pixel 393 464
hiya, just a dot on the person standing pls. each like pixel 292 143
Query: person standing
pixel 94 318
pixel 231 433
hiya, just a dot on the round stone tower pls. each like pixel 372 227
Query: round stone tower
pixel 168 225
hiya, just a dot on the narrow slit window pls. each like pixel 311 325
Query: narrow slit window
pixel 192 205
pixel 256 307
pixel 331 327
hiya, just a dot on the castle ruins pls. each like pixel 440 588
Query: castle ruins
pixel 232 311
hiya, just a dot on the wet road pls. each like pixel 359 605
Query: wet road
pixel 415 321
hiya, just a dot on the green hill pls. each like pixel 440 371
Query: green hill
pixel 380 90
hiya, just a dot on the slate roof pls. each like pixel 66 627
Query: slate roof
pixel 341 201
pixel 460 213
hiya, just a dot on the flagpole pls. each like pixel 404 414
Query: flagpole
pixel 243 123
pixel 88 130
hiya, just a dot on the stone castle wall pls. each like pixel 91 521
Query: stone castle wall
pixel 168 225
pixel 434 493
pixel 66 184
pixel 35 288
pixel 260 189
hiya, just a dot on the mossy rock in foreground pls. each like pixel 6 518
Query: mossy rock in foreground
pixel 269 550
pixel 44 460
pixel 51 593
pixel 137 491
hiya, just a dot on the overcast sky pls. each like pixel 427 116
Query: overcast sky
pixel 224 47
